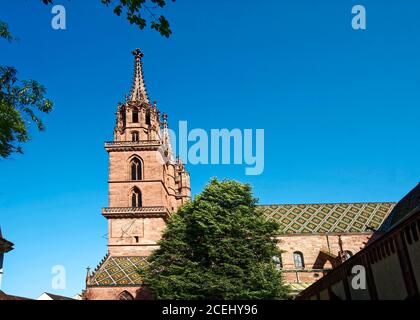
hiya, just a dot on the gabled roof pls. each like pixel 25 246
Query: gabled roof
pixel 403 209
pixel 119 271
pixel 328 217
pixel 50 296
pixel 4 296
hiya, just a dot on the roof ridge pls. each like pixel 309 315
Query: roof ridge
pixel 325 203
pixel 100 264
pixel 328 217
pixel 57 296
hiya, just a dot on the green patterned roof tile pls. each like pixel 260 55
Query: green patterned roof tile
pixel 119 271
pixel 329 217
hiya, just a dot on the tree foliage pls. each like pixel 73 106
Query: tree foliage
pixel 217 247
pixel 20 100
pixel 4 32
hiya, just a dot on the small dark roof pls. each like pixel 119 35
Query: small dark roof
pixel 5 245
pixel 403 209
pixel 4 296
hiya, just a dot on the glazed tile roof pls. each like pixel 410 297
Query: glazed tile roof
pixel 119 271
pixel 4 296
pixel 332 218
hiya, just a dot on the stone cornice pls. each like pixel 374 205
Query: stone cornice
pixel 175 194
pixel 132 145
pixel 130 212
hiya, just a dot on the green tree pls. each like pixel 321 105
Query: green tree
pixel 20 100
pixel 217 247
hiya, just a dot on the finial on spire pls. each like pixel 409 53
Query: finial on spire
pixel 165 120
pixel 138 54
pixel 138 89
pixel 88 276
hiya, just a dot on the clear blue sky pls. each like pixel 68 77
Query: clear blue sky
pixel 340 109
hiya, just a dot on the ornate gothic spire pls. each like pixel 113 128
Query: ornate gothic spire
pixel 138 90
pixel 166 139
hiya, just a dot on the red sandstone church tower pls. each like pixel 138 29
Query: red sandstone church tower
pixel 146 185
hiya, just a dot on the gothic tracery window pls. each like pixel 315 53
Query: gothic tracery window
pixel 124 119
pixel 135 116
pixel 298 259
pixel 136 169
pixel 148 122
pixel 136 198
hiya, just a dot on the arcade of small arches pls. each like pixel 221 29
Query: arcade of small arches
pixel 136 119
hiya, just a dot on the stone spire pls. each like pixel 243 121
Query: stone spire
pixel 166 139
pixel 138 90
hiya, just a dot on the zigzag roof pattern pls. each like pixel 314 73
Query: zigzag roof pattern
pixel 119 271
pixel 328 217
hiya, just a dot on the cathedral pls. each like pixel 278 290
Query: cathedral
pixel 148 183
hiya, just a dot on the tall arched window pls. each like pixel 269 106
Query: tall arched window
pixel 298 258
pixel 148 122
pixel 135 136
pixel 135 116
pixel 136 170
pixel 124 119
pixel 136 198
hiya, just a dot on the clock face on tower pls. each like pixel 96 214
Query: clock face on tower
pixel 127 229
